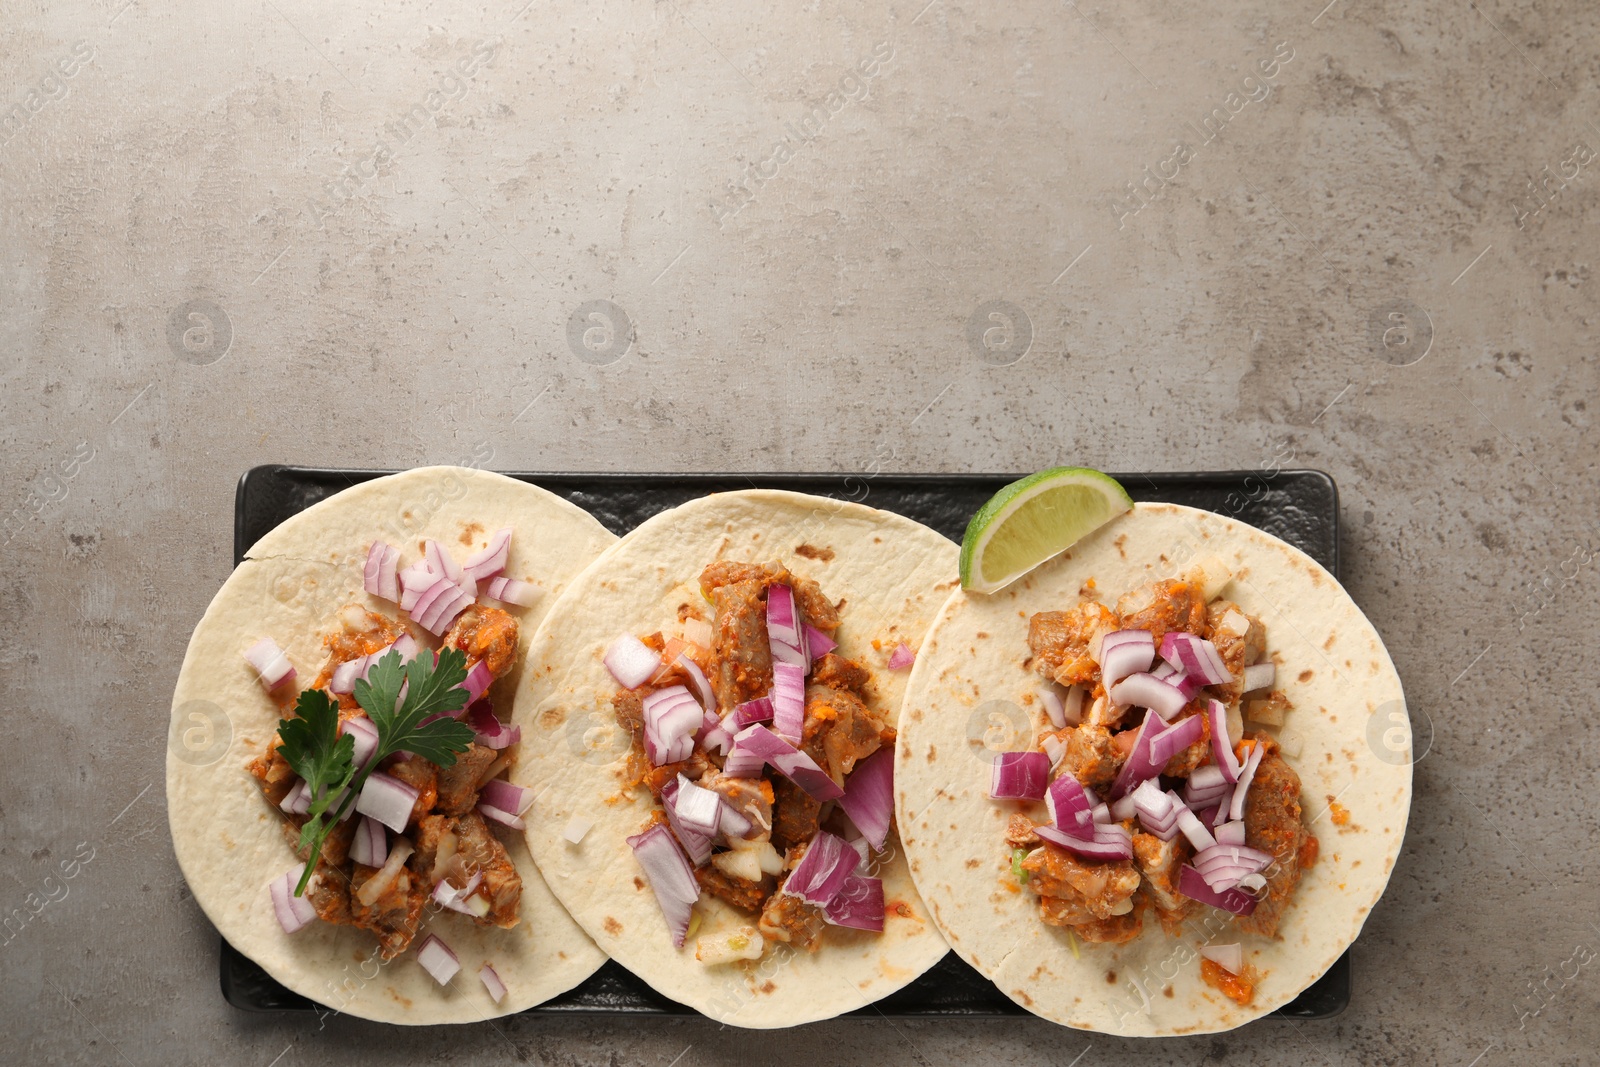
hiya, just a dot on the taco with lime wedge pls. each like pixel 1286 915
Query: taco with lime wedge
pixel 1136 786
pixel 340 744
pixel 708 713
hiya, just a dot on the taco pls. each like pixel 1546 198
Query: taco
pixel 1081 832
pixel 708 715
pixel 336 768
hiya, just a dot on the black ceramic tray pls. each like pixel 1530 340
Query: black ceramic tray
pixel 1301 507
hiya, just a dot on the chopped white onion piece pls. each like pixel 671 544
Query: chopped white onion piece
pixel 577 827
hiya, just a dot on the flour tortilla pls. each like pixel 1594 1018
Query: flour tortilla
pixel 970 696
pixel 230 842
pixel 892 574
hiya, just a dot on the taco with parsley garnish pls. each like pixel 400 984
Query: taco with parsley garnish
pixel 1137 785
pixel 708 715
pixel 337 774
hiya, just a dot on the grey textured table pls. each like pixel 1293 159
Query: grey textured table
pixel 918 237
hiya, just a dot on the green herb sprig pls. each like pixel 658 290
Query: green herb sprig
pixel 314 748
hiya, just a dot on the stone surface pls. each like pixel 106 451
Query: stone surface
pixel 376 235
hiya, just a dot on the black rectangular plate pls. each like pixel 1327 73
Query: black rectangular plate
pixel 1301 507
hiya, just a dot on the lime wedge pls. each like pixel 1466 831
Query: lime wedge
pixel 1031 520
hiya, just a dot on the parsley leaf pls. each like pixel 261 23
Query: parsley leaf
pixel 312 745
pixel 430 691
pixel 418 722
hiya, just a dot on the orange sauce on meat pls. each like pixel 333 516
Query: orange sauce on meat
pixel 1309 848
pixel 1236 987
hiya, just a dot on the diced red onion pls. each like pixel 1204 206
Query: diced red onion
pixel 437 959
pixel 822 871
pixel 1175 738
pixel 271 663
pixel 732 822
pixel 787 760
pixel 1253 883
pixel 1219 817
pixel 440 560
pixel 439 605
pixel 714 736
pixel 487 728
pixel 378 577
pixel 1221 748
pixel 670 876
pixel 858 904
pixel 502 794
pixel 1259 676
pixel 694 842
pixel 698 808
pixel 1054 747
pixel 293 912
pixel 1185 684
pixel 786 630
pixel 578 827
pixel 447 894
pixel 752 711
pixel 1147 691
pixel 343 679
pixel 1112 841
pixel 702 684
pixel 1123 809
pixel 631 662
pixel 512 591
pixel 902 657
pixel 818 644
pixel 491 559
pixel 414 581
pixel 1054 710
pixel 504 818
pixel 788 700
pixel 389 800
pixel 491 982
pixel 1222 866
pixel 477 681
pixel 1019 776
pixel 1125 652
pixel 1101 813
pixel 1229 957
pixel 1071 807
pixel 1206 784
pixel 671 719
pixel 1230 833
pixel 741 762
pixel 297 801
pixel 1141 762
pixel 1193 886
pixel 371 844
pixel 1072 705
pixel 1195 831
pixel 869 796
pixel 1252 761
pixel 1157 811
pixel 1195 656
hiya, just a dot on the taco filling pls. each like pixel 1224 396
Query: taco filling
pixel 388 772
pixel 1155 795
pixel 769 762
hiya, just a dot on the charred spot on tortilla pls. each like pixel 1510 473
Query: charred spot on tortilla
pixel 470 532
pixel 613 927
pixel 812 552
